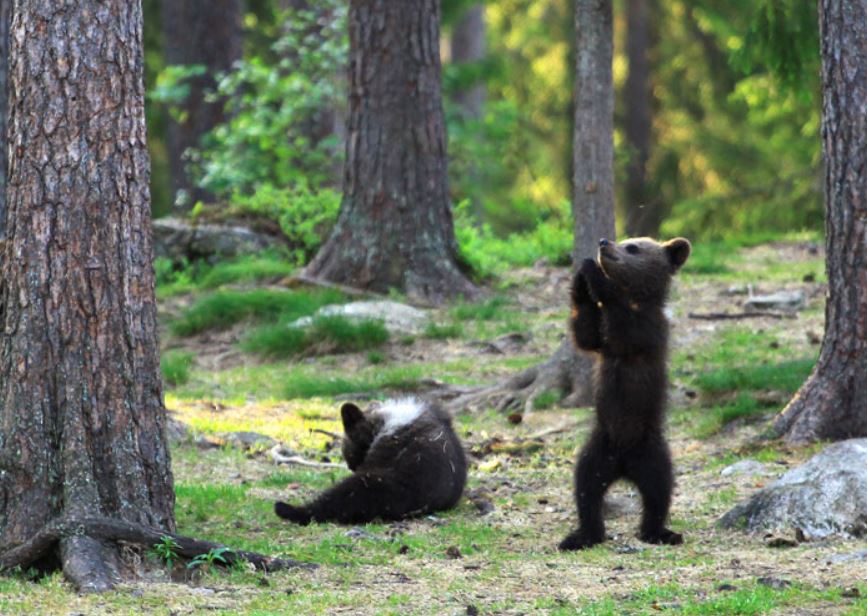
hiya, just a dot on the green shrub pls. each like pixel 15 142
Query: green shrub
pixel 225 308
pixel 435 331
pixel 175 366
pixel 487 310
pixel 326 334
pixel 786 376
pixel 245 269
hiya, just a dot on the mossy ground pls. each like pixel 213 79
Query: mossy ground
pixel 729 378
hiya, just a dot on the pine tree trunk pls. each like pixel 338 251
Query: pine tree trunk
pixel 395 225
pixel 832 403
pixel 205 32
pixel 468 46
pixel 643 212
pixel 82 415
pixel 567 370
pixel 5 22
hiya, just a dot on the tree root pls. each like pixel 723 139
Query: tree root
pixel 565 371
pixel 83 550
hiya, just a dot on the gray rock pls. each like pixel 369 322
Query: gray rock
pixel 845 558
pixel 177 240
pixel 825 496
pixel 745 467
pixel 249 441
pixel 177 431
pixel 397 318
pixel 781 300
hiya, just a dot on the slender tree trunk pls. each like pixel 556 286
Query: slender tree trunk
pixel 5 22
pixel 832 403
pixel 395 226
pixel 82 414
pixel 468 47
pixel 205 32
pixel 643 212
pixel 567 370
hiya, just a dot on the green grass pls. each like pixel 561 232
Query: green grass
pixel 487 310
pixel 225 308
pixel 326 334
pixel 305 384
pixel 175 366
pixel 244 270
pixel 436 331
pixel 786 376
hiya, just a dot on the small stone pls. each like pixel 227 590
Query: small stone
pixel 851 593
pixel 515 418
pixel 774 583
pixel 781 542
pixel 403 549
pixel 138 592
pixel 472 610
pixel 726 587
pixel 809 277
pixel 454 552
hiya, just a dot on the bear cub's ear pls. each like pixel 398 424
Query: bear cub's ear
pixel 678 251
pixel 352 416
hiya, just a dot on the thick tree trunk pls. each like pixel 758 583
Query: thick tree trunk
pixel 395 225
pixel 567 370
pixel 82 414
pixel 832 403
pixel 643 212
pixel 467 47
pixel 205 32
pixel 5 22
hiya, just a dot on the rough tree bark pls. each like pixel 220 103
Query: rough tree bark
pixel 395 225
pixel 567 370
pixel 468 46
pixel 206 32
pixel 83 454
pixel 643 212
pixel 5 20
pixel 832 403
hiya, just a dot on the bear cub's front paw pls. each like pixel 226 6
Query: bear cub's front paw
pixel 298 515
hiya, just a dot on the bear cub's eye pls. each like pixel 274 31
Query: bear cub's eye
pixel 632 249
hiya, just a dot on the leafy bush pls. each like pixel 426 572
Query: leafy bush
pixel 225 308
pixel 175 366
pixel 326 334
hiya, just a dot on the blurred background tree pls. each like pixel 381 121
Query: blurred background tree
pixel 716 118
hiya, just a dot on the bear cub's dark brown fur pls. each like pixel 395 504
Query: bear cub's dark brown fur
pixel 406 461
pixel 617 312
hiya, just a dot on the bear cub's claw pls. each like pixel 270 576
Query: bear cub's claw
pixel 662 537
pixel 579 540
pixel 293 514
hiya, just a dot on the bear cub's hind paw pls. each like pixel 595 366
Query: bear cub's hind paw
pixel 663 536
pixel 579 540
pixel 294 514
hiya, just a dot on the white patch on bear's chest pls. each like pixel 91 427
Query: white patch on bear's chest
pixel 399 413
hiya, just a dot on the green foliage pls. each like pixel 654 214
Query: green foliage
pixel 272 101
pixel 326 334
pixel 225 308
pixel 214 556
pixel 437 331
pixel 305 216
pixel 484 311
pixel 786 376
pixel 166 550
pixel 175 366
pixel 245 269
pixel 304 384
pixel 711 420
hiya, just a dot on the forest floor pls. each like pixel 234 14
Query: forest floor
pixel 496 552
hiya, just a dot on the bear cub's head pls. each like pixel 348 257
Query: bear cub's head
pixel 643 267
pixel 359 432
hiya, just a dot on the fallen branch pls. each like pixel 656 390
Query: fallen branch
pixel 280 458
pixel 108 529
pixel 333 435
pixel 718 316
pixel 568 426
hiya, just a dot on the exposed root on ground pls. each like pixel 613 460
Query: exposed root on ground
pixel 565 371
pixel 90 563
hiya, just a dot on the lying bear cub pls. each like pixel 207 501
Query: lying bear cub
pixel 406 461
pixel 617 313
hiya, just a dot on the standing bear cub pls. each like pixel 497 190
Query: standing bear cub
pixel 406 461
pixel 617 312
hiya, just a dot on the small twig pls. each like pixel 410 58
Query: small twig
pixel 563 427
pixel 279 458
pixel 333 435
pixel 301 280
pixel 719 316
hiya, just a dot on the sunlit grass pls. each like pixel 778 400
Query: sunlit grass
pixel 175 367
pixel 326 334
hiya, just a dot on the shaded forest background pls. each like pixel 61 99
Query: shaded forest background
pixel 716 135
